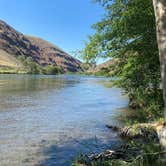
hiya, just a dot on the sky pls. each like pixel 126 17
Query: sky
pixel 64 23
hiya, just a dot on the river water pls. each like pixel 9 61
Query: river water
pixel 49 120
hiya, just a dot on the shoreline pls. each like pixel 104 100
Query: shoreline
pixel 142 144
pixel 131 151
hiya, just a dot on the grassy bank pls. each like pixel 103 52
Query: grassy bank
pixel 11 70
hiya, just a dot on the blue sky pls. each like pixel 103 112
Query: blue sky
pixel 62 22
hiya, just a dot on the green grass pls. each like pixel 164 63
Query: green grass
pixel 10 70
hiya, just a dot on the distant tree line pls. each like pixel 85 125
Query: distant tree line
pixel 33 67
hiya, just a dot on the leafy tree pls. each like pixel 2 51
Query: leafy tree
pixel 127 32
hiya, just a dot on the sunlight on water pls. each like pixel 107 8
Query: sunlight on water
pixel 48 120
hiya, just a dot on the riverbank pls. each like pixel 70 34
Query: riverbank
pixel 143 124
pixel 142 147
pixel 7 70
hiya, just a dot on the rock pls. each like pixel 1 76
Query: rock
pixel 114 128
pixel 136 131
pixel 143 131
pixel 161 130
pixel 106 155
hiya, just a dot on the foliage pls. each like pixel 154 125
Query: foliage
pixel 104 71
pixel 137 154
pixel 50 69
pixel 86 66
pixel 31 66
pixel 34 68
pixel 12 70
pixel 127 32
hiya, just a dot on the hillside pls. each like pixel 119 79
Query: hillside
pixel 9 60
pixel 14 44
pixel 51 54
pixel 103 68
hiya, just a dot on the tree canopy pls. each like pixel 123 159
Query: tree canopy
pixel 127 32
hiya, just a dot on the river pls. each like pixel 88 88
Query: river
pixel 49 120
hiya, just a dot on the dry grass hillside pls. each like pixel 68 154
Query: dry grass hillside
pixel 14 44
pixel 104 68
pixel 8 60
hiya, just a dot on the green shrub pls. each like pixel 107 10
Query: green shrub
pixel 50 69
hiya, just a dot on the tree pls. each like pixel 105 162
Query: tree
pixel 128 33
pixel 50 69
pixel 160 14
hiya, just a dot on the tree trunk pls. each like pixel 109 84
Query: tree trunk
pixel 160 14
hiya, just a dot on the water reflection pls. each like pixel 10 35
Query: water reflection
pixel 30 83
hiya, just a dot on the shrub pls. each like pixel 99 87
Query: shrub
pixel 50 69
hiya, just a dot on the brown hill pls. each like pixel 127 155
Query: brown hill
pixel 104 65
pixel 42 52
pixel 100 67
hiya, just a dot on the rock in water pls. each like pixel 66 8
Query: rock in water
pixel 162 134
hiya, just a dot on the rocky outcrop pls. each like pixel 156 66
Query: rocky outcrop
pixel 41 51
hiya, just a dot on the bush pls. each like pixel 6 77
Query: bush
pixel 50 69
